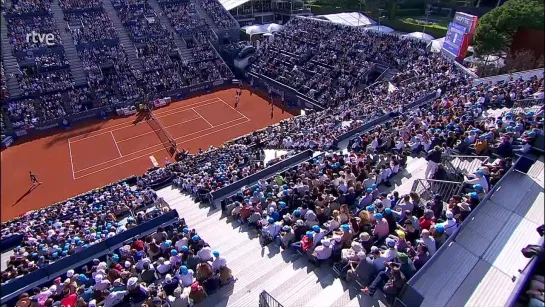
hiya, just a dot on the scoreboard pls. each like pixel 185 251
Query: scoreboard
pixel 459 35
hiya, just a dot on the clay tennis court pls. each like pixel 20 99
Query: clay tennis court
pixel 93 154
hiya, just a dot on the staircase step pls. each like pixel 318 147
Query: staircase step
pixel 124 39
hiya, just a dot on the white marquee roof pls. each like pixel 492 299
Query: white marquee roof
pixel 350 19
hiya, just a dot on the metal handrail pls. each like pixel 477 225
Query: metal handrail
pixel 452 237
pixel 266 300
pixel 526 103
pixel 427 188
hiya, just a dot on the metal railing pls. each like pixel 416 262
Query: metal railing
pixel 427 188
pixel 463 165
pixel 527 103
pixel 266 300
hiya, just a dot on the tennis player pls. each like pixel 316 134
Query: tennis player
pixel 33 179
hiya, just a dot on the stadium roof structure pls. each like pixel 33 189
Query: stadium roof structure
pixel 350 19
pixel 483 264
pixel 231 4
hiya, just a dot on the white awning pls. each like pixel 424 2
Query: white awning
pixel 380 28
pixel 420 36
pixel 349 19
pixel 231 4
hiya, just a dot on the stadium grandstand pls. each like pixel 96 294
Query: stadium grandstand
pixel 342 167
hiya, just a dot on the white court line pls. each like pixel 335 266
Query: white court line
pixel 150 132
pixel 161 144
pixel 115 165
pixel 129 124
pixel 116 146
pixel 202 117
pixel 233 108
pixel 71 160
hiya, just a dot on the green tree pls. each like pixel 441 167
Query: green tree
pixel 497 28
pixel 391 7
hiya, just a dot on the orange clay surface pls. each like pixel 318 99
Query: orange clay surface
pixel 95 153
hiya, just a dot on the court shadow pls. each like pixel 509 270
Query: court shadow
pixel 32 188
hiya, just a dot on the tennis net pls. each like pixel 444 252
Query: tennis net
pixel 165 137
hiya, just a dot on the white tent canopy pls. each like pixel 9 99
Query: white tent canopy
pixel 274 27
pixel 384 29
pixel 259 29
pixel 349 19
pixel 437 44
pixel 419 35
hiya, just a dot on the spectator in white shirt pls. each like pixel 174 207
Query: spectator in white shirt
pixel 324 251
pixel 101 283
pixel 180 298
pixel 163 266
pixel 429 241
pixel 185 276
pixel 218 262
pixel 113 298
pixel 450 225
pixel 479 179
pixel 205 253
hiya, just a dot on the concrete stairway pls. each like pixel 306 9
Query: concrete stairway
pixel 70 52
pixel 124 39
pixel 180 42
pixel 10 62
pixel 202 12
pixel 466 166
pixel 291 279
pixel 403 181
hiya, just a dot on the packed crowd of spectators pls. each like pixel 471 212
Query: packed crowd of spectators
pixel 68 5
pixel 42 83
pixel 111 77
pixel 330 62
pixel 80 99
pixel 219 14
pixel 173 266
pixel 96 26
pixel 216 168
pixel 19 27
pixel 64 229
pixel 184 17
pixel 332 209
pixel 22 113
pixel 3 83
pixel 141 21
pixel 155 55
pixel 50 61
pixel 29 6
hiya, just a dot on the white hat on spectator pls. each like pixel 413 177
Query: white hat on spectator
pixel 449 214
pixel 127 264
pixel 53 288
pixel 132 281
pixel 92 303
pixel 168 279
pixel 70 273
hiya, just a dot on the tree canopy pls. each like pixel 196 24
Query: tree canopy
pixel 497 28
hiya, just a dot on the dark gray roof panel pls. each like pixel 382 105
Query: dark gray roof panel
pixel 484 286
pixel 442 278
